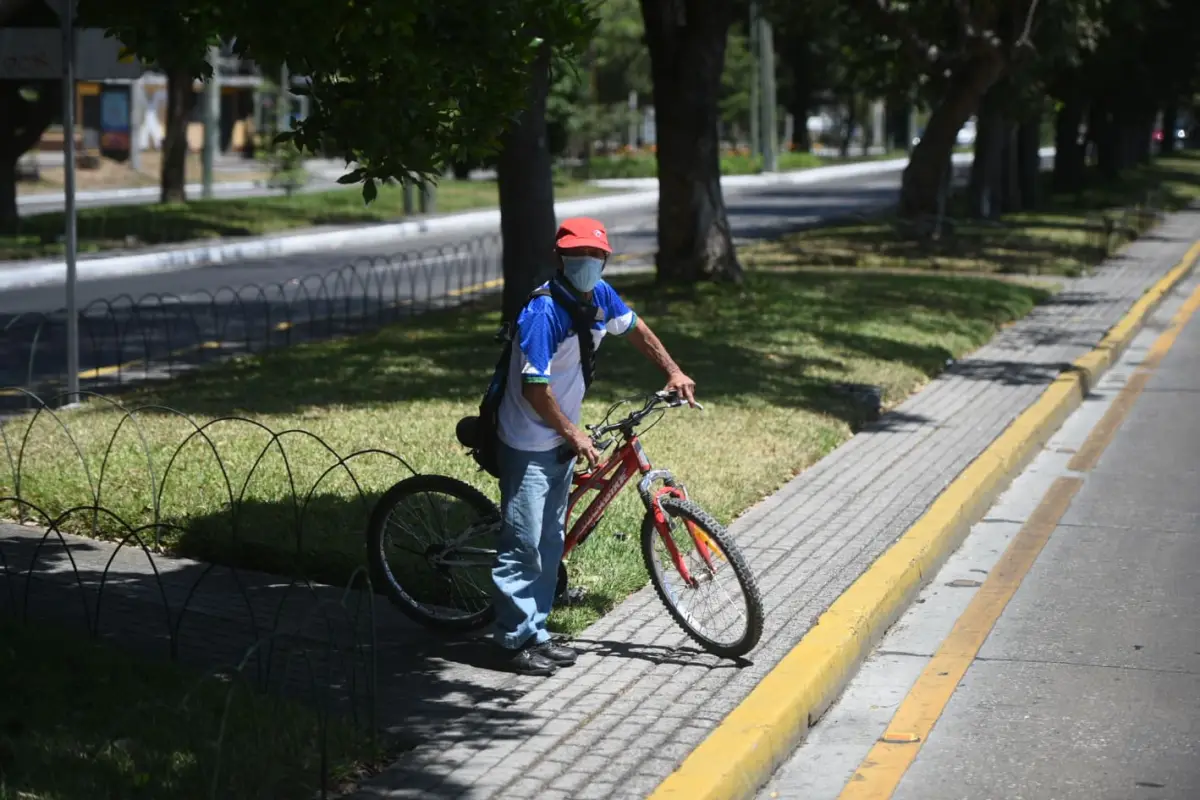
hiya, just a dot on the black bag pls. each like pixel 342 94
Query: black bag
pixel 480 433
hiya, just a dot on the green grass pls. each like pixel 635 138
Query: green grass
pixel 1065 237
pixel 766 358
pixel 115 227
pixel 83 720
pixel 642 164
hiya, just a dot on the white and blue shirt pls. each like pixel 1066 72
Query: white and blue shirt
pixel 546 350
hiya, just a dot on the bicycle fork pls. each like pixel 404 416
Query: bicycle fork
pixel 651 499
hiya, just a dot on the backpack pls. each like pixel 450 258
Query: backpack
pixel 480 434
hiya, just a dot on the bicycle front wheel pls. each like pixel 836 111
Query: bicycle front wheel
pixel 702 579
pixel 430 545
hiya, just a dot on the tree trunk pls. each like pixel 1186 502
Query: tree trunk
pixel 1170 122
pixel 1105 132
pixel 1029 163
pixel 526 180
pixel 686 39
pixel 851 121
pixel 1068 150
pixel 22 123
pixel 1143 142
pixel 899 136
pixel 1011 186
pixel 10 218
pixel 180 100
pixel 925 174
pixel 987 167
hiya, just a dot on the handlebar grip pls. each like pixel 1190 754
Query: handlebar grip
pixel 565 454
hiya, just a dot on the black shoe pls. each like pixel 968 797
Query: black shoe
pixel 528 661
pixel 557 654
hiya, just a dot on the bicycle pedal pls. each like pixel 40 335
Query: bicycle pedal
pixel 575 596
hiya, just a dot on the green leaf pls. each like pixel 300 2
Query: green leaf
pixel 370 191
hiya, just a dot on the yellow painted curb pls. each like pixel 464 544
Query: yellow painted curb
pixel 742 753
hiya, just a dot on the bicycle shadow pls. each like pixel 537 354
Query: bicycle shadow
pixel 679 656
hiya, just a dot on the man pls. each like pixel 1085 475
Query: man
pixel 539 414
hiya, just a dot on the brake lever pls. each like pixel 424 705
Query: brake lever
pixel 675 400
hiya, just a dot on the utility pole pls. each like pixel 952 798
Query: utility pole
pixel 766 70
pixel 67 16
pixel 755 142
pixel 212 120
pixel 283 107
pixel 137 118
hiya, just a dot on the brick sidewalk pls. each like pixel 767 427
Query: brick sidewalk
pixel 641 696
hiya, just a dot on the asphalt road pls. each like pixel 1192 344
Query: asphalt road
pixel 751 213
pixel 188 316
pixel 1088 685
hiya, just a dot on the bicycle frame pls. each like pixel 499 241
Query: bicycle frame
pixel 609 479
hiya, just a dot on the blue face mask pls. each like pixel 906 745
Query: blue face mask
pixel 583 271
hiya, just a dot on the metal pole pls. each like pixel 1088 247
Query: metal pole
pixel 137 114
pixel 283 107
pixel 766 64
pixel 212 120
pixel 68 90
pixel 755 139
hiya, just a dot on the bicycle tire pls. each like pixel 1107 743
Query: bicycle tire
pixel 381 572
pixel 686 509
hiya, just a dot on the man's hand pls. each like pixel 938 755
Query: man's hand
pixel 582 444
pixel 685 386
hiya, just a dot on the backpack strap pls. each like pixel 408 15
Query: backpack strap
pixel 583 317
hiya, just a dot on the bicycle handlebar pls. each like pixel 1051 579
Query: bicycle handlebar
pixel 653 402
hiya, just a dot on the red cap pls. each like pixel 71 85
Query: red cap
pixel 582 232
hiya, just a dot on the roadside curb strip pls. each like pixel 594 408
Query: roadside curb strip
pixel 54 198
pixel 24 274
pixel 745 749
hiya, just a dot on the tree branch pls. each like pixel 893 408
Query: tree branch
pixel 1024 39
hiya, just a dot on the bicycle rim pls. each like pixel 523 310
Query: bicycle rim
pixel 435 544
pixel 713 597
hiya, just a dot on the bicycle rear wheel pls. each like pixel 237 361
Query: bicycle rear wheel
pixel 430 544
pixel 718 604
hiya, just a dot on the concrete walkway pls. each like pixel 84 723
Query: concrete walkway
pixel 641 697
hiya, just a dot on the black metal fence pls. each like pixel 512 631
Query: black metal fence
pixel 76 560
pixel 128 338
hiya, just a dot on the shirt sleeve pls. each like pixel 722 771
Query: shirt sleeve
pixel 619 319
pixel 538 336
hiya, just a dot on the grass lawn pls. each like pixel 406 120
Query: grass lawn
pixel 642 163
pixel 83 720
pixel 114 227
pixel 766 360
pixel 1063 238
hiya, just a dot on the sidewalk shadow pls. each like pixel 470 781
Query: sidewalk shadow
pixel 315 644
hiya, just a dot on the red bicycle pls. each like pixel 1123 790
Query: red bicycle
pixel 431 544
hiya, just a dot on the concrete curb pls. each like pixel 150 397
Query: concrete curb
pixel 22 274
pixel 193 189
pixel 742 753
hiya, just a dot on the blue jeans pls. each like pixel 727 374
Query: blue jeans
pixel 534 487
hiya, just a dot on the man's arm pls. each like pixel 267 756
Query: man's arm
pixel 652 348
pixel 542 399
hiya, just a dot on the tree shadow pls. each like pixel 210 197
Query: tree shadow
pixel 786 341
pixel 124 340
pixel 329 648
